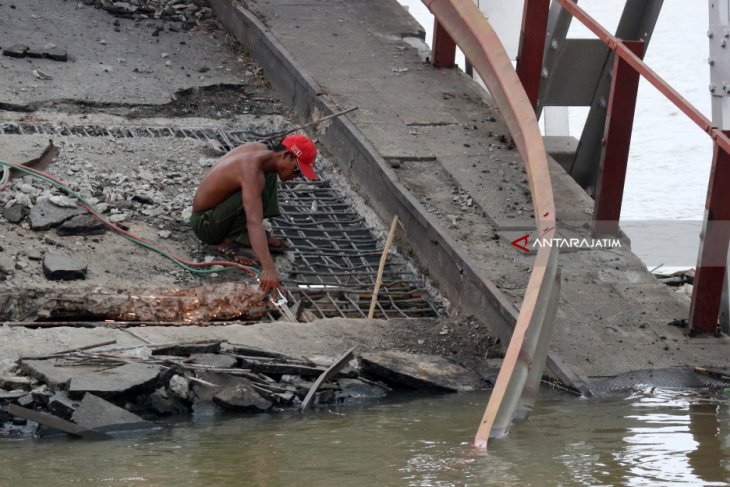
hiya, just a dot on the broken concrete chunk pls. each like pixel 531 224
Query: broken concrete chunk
pixel 12 383
pixel 180 387
pixel 216 146
pixel 419 371
pixel 325 397
pixel 56 54
pixel 35 255
pixel 26 400
pixel 15 213
pixel 7 265
pixel 242 397
pixel 81 225
pixel 58 267
pixel 126 379
pixel 97 414
pixel 11 395
pixel 34 53
pixel 162 403
pixel 62 201
pixel 62 405
pixel 41 395
pixel 220 361
pixel 285 399
pixel 122 8
pixel 353 389
pixel 16 50
pixel 144 198
pixel 45 215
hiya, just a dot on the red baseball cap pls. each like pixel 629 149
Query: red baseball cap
pixel 305 151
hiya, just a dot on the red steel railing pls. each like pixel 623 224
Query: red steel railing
pixel 710 269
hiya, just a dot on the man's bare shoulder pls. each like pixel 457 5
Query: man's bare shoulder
pixel 252 148
pixel 245 153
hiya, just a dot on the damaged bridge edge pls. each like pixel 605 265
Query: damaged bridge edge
pixel 453 272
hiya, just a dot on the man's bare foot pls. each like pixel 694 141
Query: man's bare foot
pixel 277 244
pixel 236 252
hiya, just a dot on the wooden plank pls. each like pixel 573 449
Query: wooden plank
pixel 327 374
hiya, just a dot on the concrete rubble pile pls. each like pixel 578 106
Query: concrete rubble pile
pixel 89 393
pixel 36 205
pixel 187 12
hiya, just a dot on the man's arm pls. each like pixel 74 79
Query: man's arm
pixel 251 194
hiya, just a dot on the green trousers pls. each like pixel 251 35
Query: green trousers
pixel 228 219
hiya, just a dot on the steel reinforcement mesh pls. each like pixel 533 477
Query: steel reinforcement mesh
pixel 336 254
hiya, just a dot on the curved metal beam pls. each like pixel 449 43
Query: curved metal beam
pixel 475 36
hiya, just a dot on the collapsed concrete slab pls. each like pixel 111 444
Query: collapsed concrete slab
pixel 419 371
pixel 221 361
pixel 51 373
pixel 54 422
pixel 123 380
pixel 96 414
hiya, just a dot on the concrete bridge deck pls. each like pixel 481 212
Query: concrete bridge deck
pixel 428 143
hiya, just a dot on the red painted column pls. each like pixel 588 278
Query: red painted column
pixel 532 45
pixel 714 238
pixel 616 141
pixel 443 52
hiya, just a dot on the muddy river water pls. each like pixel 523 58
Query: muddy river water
pixel 652 437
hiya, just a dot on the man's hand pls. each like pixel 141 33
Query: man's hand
pixel 269 279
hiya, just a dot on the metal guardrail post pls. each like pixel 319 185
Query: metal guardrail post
pixel 443 52
pixel 532 47
pixel 616 142
pixel 706 294
pixel 711 260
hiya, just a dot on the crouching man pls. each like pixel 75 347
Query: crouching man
pixel 239 191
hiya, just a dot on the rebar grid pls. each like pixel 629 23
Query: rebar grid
pixel 337 257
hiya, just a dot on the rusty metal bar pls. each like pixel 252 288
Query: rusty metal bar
pixel 473 34
pixel 443 52
pixel 532 46
pixel 710 272
pixel 616 142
